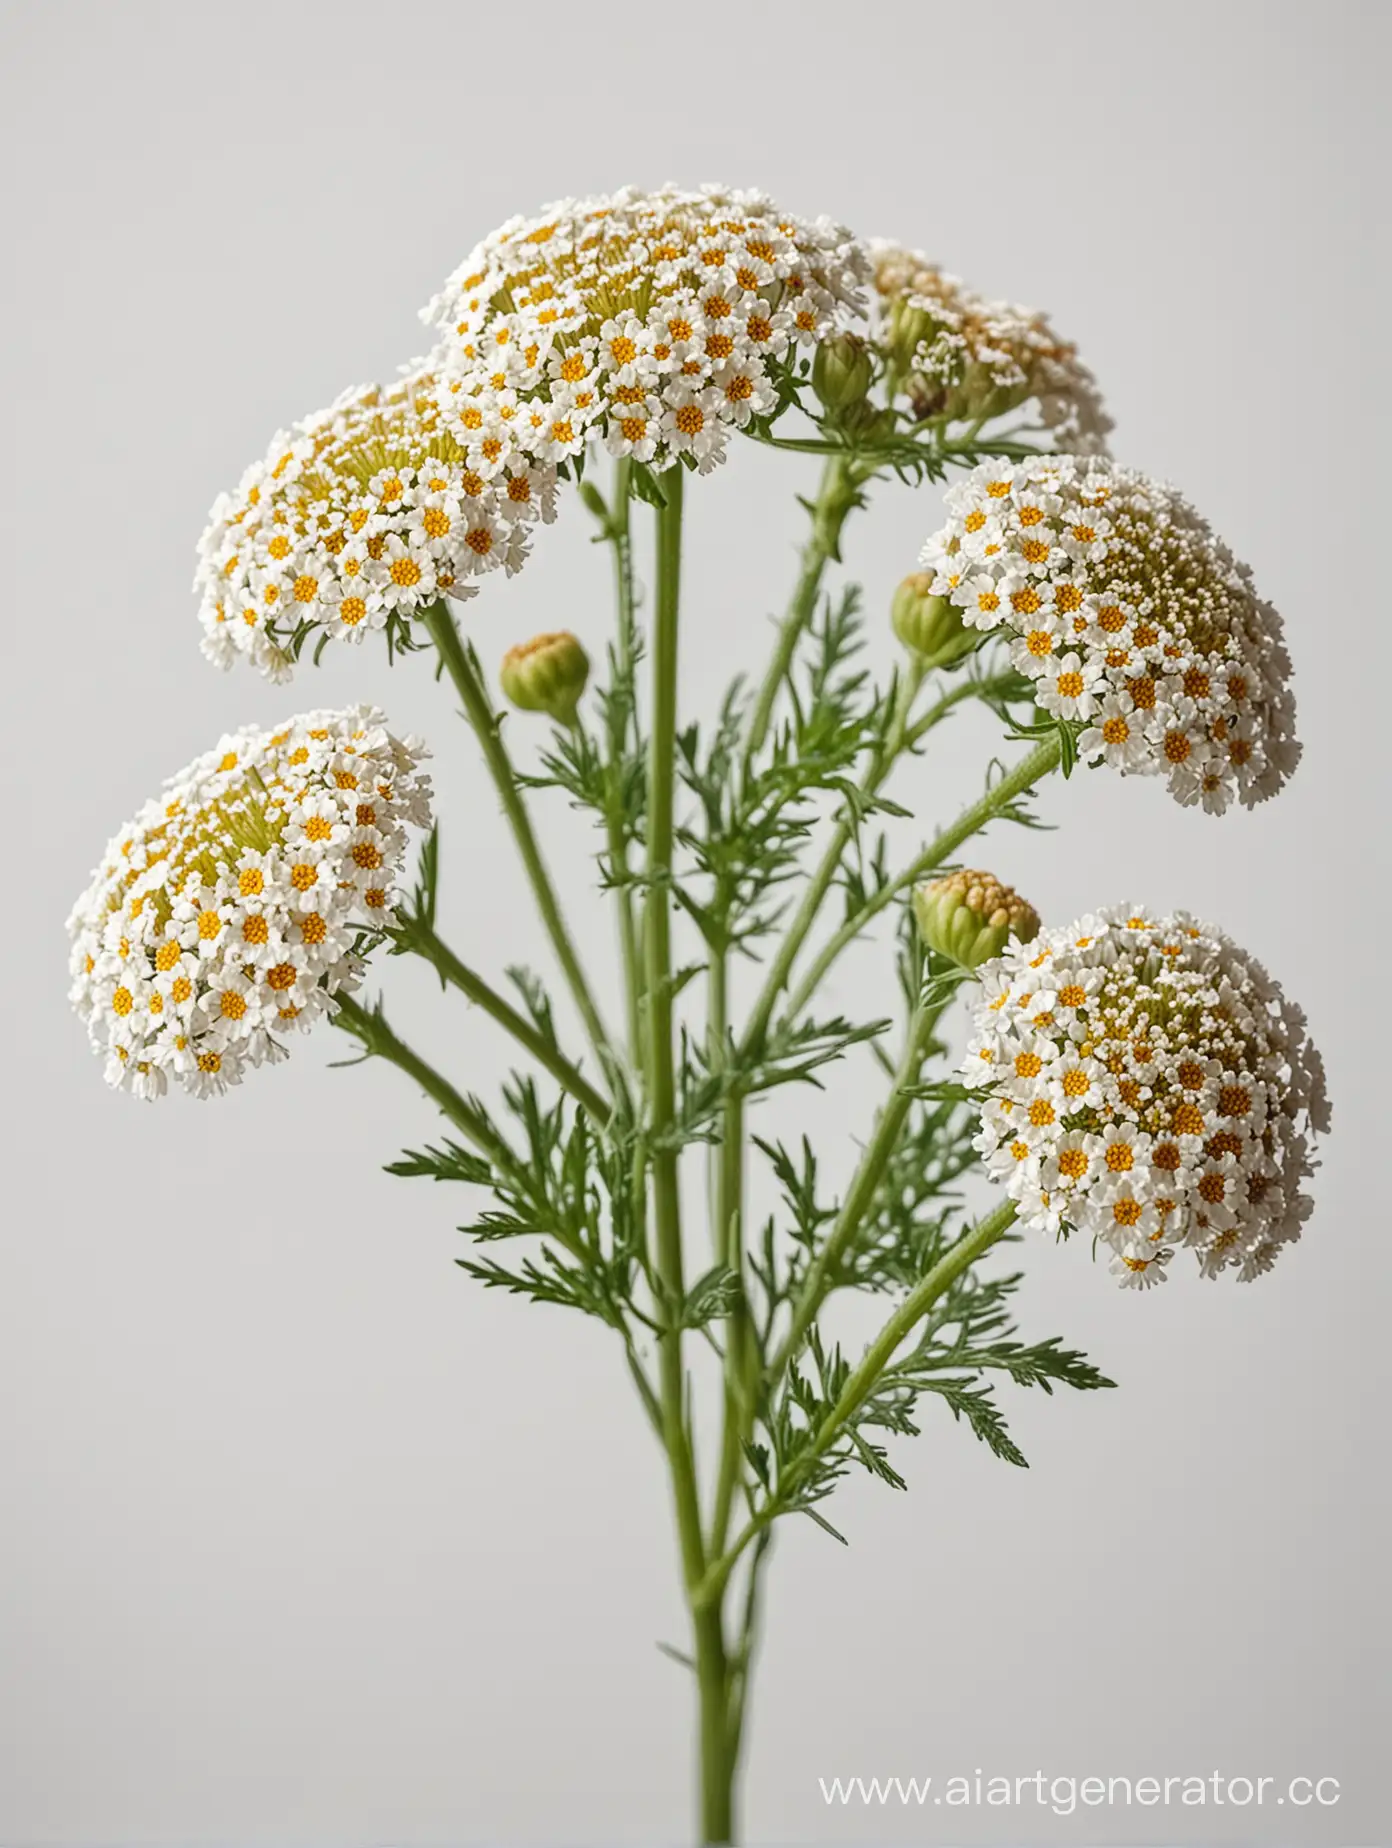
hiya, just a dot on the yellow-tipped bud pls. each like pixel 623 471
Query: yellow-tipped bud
pixel 971 916
pixel 927 625
pixel 546 674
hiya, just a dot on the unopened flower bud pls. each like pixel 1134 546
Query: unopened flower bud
pixel 842 371
pixel 907 325
pixel 971 916
pixel 928 625
pixel 546 674
pixel 867 424
pixel 981 393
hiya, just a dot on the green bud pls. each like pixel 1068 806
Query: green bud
pixel 842 371
pixel 867 425
pixel 927 625
pixel 906 328
pixel 970 917
pixel 979 394
pixel 546 674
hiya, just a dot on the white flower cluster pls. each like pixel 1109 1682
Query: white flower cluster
pixel 228 911
pixel 654 321
pixel 1148 1085
pixel 358 516
pixel 1128 613
pixel 961 357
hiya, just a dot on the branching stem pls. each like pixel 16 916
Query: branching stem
pixel 370 1026
pixel 861 1192
pixel 861 1384
pixel 837 495
pixel 423 941
pixel 821 881
pixel 707 1622
pixel 1036 764
pixel 462 668
pixel 910 1312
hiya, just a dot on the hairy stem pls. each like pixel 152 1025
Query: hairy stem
pixel 479 710
pixel 423 941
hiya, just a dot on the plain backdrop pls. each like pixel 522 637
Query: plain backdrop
pixel 307 1539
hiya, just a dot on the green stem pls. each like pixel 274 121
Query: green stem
pixel 619 534
pixel 623 727
pixel 835 498
pixel 821 881
pixel 657 927
pixel 478 709
pixel 370 1026
pixel 742 1659
pixel 723 1201
pixel 862 1382
pixel 707 1623
pixel 1038 763
pixel 861 1193
pixel 660 1061
pixel 741 1356
pixel 911 1311
pixel 646 1394
pixel 964 689
pixel 907 452
pixel 717 1757
pixel 422 939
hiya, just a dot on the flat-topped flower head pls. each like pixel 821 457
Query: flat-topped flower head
pixel 236 904
pixel 355 518
pixel 1129 614
pixel 653 321
pixel 1147 1084
pixel 958 357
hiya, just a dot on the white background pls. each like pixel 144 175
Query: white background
pixel 306 1538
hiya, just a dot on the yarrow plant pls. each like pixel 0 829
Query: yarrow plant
pixel 1132 1082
